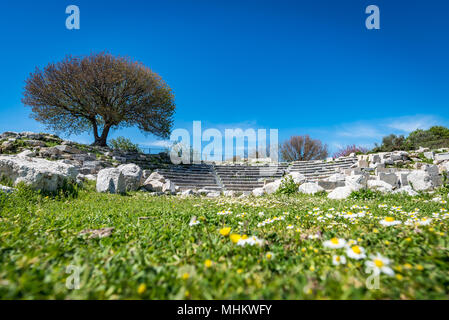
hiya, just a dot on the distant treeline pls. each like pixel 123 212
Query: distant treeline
pixel 434 138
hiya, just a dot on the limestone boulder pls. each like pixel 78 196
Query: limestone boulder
pixel 420 180
pixel 407 190
pixel 380 185
pixel 340 193
pixel 111 180
pixel 169 186
pixel 133 175
pixel 297 177
pixel 272 187
pixel 39 174
pixel 310 188
pixel 258 192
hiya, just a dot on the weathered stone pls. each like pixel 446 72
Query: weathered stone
pixel 420 180
pixel 39 174
pixel 213 194
pixel 363 164
pixel 297 177
pixel 156 176
pixel 336 177
pixel 258 192
pixel 272 187
pixel 340 193
pixel 330 185
pixel 379 185
pixel 133 176
pixel 27 153
pixel 188 192
pixel 111 180
pixel 169 187
pixel 390 178
pixel 229 193
pixel 442 156
pixel 429 155
pixel 68 149
pixel 310 188
pixel 153 185
pixel 406 189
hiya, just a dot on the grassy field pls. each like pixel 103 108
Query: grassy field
pixel 157 251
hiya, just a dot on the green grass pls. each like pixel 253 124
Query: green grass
pixel 162 257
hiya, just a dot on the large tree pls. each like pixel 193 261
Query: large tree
pixel 100 92
pixel 302 148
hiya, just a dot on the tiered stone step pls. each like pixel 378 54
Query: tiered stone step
pixel 314 170
pixel 194 176
pixel 247 178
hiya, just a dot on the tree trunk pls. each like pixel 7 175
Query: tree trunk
pixel 100 141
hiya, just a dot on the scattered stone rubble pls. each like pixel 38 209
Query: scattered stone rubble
pixel 45 162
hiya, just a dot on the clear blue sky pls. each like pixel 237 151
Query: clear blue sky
pixel 298 66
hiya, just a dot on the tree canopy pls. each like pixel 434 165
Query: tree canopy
pixel 100 92
pixel 302 148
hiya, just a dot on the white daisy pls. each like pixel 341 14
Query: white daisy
pixel 193 221
pixel 290 227
pixel 337 260
pixel 379 264
pixel 334 243
pixel 424 221
pixel 253 240
pixel 355 252
pixel 389 221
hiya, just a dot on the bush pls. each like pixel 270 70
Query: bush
pixel 288 186
pixel 365 194
pixel 124 144
pixel 346 151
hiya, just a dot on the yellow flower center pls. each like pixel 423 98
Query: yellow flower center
pixel 185 276
pixel 379 263
pixel 337 258
pixel 389 219
pixel 208 263
pixel 334 240
pixel 356 249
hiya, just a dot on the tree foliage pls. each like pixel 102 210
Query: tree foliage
pixel 100 92
pixel 303 148
pixel 346 151
pixel 124 144
pixel 434 138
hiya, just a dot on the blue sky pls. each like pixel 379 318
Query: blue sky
pixel 303 67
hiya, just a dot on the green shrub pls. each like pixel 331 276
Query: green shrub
pixel 124 144
pixel 288 186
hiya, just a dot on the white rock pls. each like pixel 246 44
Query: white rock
pixel 111 180
pixel 258 192
pixel 213 194
pixel 153 185
pixel 272 187
pixel 188 192
pixel 442 156
pixel 27 153
pixel 420 180
pixel 310 188
pixel 229 193
pixel 379 185
pixel 133 175
pixel 336 177
pixel 39 174
pixel 429 155
pixel 156 176
pixel 390 178
pixel 297 177
pixel 406 189
pixel 169 187
pixel 340 193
